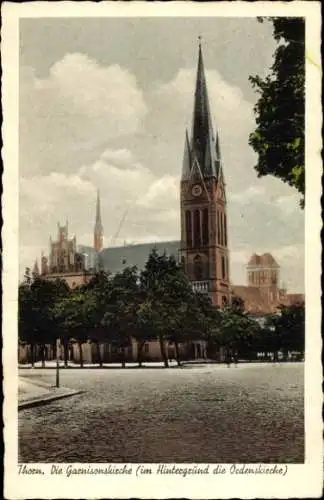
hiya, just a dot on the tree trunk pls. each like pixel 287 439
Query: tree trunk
pixel 176 345
pixel 66 353
pixel 32 354
pixel 123 361
pixel 163 353
pixel 43 355
pixel 99 354
pixel 81 354
pixel 140 346
pixel 53 351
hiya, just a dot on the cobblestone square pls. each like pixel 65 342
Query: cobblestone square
pixel 209 413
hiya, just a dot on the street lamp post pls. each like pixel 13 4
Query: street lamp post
pixel 58 346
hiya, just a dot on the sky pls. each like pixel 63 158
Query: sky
pixel 104 103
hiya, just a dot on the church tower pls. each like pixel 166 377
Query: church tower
pixel 204 242
pixel 98 229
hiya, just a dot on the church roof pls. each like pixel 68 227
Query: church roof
pixel 115 259
pixel 254 302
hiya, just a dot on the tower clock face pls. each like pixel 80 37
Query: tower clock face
pixel 196 190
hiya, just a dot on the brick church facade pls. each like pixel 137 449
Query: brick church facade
pixel 204 243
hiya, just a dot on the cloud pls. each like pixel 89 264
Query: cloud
pixel 73 111
pixel 165 188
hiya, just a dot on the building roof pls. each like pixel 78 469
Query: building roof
pixel 254 302
pixel 263 260
pixel 294 299
pixel 254 260
pixel 267 259
pixel 115 259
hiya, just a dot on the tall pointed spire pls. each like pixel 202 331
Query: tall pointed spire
pixel 202 144
pixel 98 211
pixel 98 229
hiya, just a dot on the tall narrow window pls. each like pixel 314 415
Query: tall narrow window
pixel 225 230
pixel 197 239
pixel 218 229
pixel 223 267
pixel 205 227
pixel 188 229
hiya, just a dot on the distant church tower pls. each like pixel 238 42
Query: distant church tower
pixel 204 242
pixel 98 228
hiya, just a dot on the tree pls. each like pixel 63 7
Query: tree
pixel 290 326
pixel 237 332
pixel 121 312
pixel 74 319
pixel 168 296
pixel 100 289
pixel 205 320
pixel 280 115
pixel 36 323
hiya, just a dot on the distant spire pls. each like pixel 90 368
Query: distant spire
pixel 98 229
pixel 98 211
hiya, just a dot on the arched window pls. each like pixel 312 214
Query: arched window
pixel 197 239
pixel 198 268
pixel 224 300
pixel 188 229
pixel 183 262
pixel 205 232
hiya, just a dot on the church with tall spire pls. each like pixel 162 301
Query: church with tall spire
pixel 203 246
pixel 204 243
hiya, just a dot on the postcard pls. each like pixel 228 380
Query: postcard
pixel 161 249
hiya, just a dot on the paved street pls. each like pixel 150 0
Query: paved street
pixel 211 413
